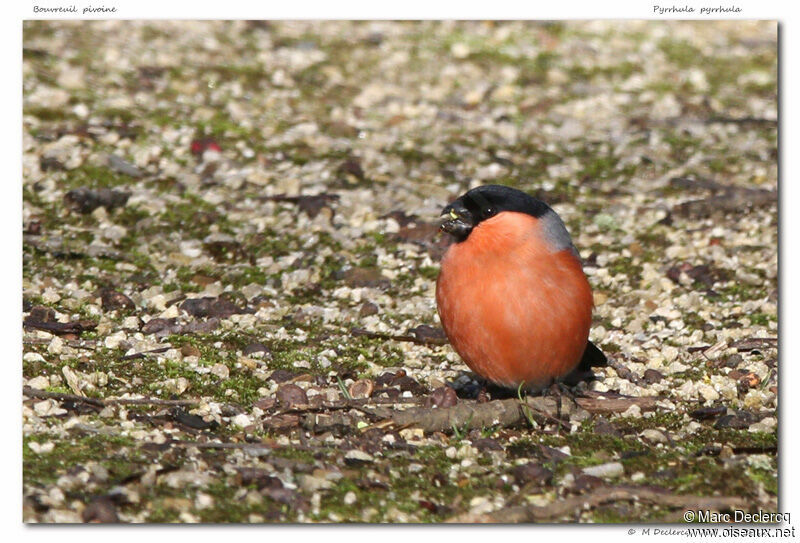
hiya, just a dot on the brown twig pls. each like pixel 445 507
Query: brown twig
pixel 604 406
pixel 570 506
pixel 754 343
pixel 733 199
pixel 142 354
pixel 77 344
pixel 74 327
pixel 44 394
pixel 399 337
pixel 509 412
pixel 215 445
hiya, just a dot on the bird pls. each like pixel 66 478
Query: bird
pixel 511 293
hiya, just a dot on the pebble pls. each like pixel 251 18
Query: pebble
pixel 50 296
pixel 480 505
pixel 460 50
pixel 203 501
pixel 356 457
pixel 56 346
pixel 113 341
pixel 221 370
pixel 39 382
pixel 242 420
pixel 611 469
pixel 707 392
pixel 311 483
pixel 48 408
pixel 289 395
pixel 633 411
pixel 32 357
pixel 532 472
pixel 361 389
pixel 654 436
pixel 41 448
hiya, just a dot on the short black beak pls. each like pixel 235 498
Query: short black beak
pixel 455 226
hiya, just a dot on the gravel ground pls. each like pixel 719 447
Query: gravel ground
pixel 230 257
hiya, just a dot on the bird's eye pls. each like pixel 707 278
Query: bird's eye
pixel 489 211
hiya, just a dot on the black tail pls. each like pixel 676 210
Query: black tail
pixel 592 358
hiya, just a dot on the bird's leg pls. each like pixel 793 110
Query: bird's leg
pixel 554 391
pixel 565 389
pixel 557 390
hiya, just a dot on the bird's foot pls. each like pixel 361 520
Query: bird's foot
pixel 559 390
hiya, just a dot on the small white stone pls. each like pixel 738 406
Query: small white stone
pixel 707 392
pixel 113 341
pixel 480 505
pixel 56 346
pixel 633 411
pixel 310 483
pixel 415 434
pixel 670 353
pixel 50 296
pixel 460 50
pixel 40 382
pixel 611 469
pixel 654 436
pixel 221 371
pixel 203 501
pixel 467 451
pixel 170 313
pixel 81 111
pixel 356 455
pixel 769 422
pixel 693 427
pixel 350 498
pixel 48 408
pixel 760 461
pixel 158 302
pixel 242 420
pixel 41 448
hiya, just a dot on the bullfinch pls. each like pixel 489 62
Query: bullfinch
pixel 511 293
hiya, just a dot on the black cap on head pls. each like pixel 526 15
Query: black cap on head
pixel 484 202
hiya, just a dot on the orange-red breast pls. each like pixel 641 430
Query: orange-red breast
pixel 512 296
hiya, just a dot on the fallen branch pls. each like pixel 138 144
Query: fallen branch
pixel 142 354
pixel 215 445
pixel 569 506
pixel 419 340
pixel 733 200
pixel 742 120
pixel 623 372
pixel 478 415
pixel 755 343
pixel 88 345
pixel 604 406
pixel 510 412
pixel 44 394
pixel 74 327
